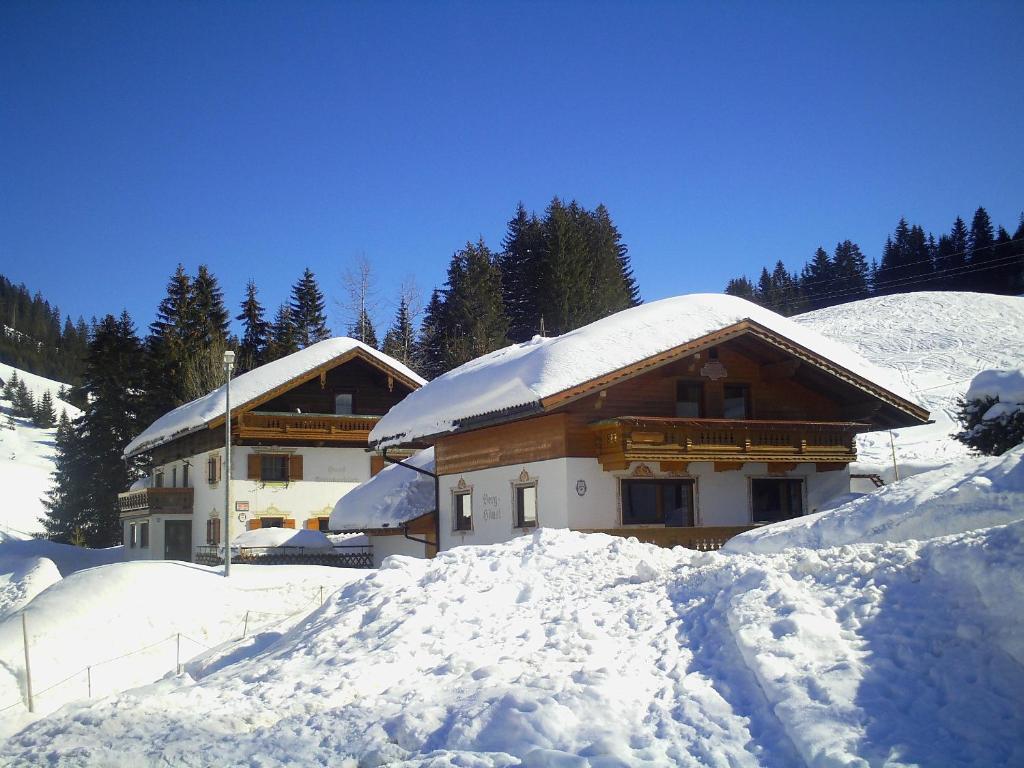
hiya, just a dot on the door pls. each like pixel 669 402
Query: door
pixel 178 540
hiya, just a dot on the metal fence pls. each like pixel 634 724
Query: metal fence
pixel 338 557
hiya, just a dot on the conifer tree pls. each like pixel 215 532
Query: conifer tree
pixel 521 259
pixel 851 274
pixel 24 403
pixel 67 501
pixel 11 387
pixel 400 340
pixel 307 311
pixel 282 341
pixel 45 416
pixel 430 361
pixel 981 242
pixel 208 311
pixel 168 346
pixel 255 331
pixel 742 287
pixel 474 321
pixel 818 279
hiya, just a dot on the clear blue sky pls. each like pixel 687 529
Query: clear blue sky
pixel 263 137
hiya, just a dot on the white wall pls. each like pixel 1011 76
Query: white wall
pixel 720 498
pixel 328 474
pixel 385 546
pixel 155 550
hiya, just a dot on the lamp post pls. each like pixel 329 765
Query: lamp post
pixel 229 363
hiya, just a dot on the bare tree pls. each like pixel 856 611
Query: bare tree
pixel 360 301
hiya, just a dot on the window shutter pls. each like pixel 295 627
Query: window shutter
pixel 376 464
pixel 209 532
pixel 253 465
pixel 216 530
pixel 288 522
pixel 218 467
pixel 253 524
pixel 295 467
pixel 313 524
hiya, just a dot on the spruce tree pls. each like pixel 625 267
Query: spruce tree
pixel 255 331
pixel 429 356
pixel 169 347
pixel 981 242
pixel 24 403
pixel 818 279
pixel 362 329
pixel 68 499
pixel 742 287
pixel 474 321
pixel 11 387
pixel 208 311
pixel 851 274
pixel 45 416
pixel 282 340
pixel 400 340
pixel 521 260
pixel 307 311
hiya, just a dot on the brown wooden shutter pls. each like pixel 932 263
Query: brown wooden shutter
pixel 376 464
pixel 209 531
pixel 216 530
pixel 220 464
pixel 288 522
pixel 295 467
pixel 313 524
pixel 253 466
pixel 253 524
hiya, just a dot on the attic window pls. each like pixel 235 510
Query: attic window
pixel 689 399
pixel 343 404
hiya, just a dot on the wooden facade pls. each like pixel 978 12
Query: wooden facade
pixel 155 500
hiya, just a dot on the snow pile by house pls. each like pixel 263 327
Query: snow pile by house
pixel 27 457
pixel 561 648
pixel 124 620
pixel 282 537
pixel 395 495
pixel 251 385
pixel 521 375
pixel 936 342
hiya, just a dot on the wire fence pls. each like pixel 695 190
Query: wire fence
pixel 90 685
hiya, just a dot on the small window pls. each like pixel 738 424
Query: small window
pixel 131 536
pixel 774 500
pixel 657 502
pixel 184 475
pixel 462 519
pixel 213 531
pixel 143 535
pixel 525 512
pixel 343 404
pixel 158 479
pixel 689 399
pixel 324 524
pixel 174 477
pixel 736 401
pixel 271 522
pixel 274 468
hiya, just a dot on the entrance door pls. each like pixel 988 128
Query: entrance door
pixel 178 540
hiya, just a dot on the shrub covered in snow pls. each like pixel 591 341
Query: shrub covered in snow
pixel 992 412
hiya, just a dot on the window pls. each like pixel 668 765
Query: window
pixel 213 531
pixel 271 522
pixel 174 477
pixel 689 399
pixel 462 511
pixel 324 524
pixel 343 404
pixel 158 479
pixel 773 500
pixel 736 401
pixel 274 468
pixel 131 536
pixel 184 475
pixel 213 470
pixel 525 512
pixel 143 535
pixel 657 502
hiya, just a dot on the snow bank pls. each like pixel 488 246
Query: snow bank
pixel 521 375
pixel 123 621
pixel 565 649
pixel 21 579
pixel 248 386
pixel 967 495
pixel 282 537
pixel 935 342
pixel 1006 387
pixel 393 496
pixel 65 557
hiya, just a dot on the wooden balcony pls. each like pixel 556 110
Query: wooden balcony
pixel 305 427
pixel 154 500
pixel 703 538
pixel 626 439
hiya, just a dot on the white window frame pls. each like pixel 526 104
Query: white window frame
pixel 456 493
pixel 516 485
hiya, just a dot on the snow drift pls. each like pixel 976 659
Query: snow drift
pixel 561 648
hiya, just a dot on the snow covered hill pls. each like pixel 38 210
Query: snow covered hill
pixel 565 649
pixel 937 342
pixel 26 458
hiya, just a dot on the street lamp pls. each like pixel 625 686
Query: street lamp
pixel 229 363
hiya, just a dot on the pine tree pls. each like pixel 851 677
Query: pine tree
pixel 45 416
pixel 994 436
pixel 67 501
pixel 362 330
pixel 851 274
pixel 429 357
pixel 24 403
pixel 307 311
pixel 400 340
pixel 169 346
pixel 742 287
pixel 255 331
pixel 282 341
pixel 521 259
pixel 11 387
pixel 818 279
pixel 981 242
pixel 208 311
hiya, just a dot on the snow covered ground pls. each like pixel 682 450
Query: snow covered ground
pixel 936 342
pixel 26 457
pixel 565 649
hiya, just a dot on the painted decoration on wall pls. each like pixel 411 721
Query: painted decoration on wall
pixel 643 470
pixel 462 484
pixel 581 487
pixel 524 476
pixel 714 370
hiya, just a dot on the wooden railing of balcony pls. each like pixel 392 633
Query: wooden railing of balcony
pixel 304 426
pixel 167 500
pixel 626 439
pixel 702 538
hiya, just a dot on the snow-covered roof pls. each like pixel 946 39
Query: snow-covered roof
pixel 520 376
pixel 253 385
pixel 393 496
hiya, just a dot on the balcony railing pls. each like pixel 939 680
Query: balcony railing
pixel 629 438
pixel 166 500
pixel 304 426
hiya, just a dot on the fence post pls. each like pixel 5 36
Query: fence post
pixel 88 677
pixel 245 627
pixel 321 594
pixel 28 666
pixel 178 655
